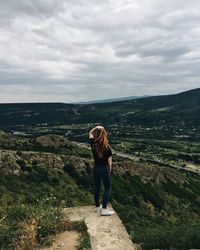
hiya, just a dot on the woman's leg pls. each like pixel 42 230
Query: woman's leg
pixel 97 185
pixel 107 185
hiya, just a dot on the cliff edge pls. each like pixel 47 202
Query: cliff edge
pixel 106 232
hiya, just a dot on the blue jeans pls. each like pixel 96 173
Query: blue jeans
pixel 101 172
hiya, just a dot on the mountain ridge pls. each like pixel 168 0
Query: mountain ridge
pixel 111 99
pixel 182 108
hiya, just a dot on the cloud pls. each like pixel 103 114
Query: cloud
pixel 87 49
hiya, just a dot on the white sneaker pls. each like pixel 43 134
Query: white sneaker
pixel 98 209
pixel 107 212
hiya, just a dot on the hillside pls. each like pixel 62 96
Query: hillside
pixel 180 109
pixel 159 206
pixel 45 166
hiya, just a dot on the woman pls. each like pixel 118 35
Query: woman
pixel 102 154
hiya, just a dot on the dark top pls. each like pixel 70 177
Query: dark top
pixel 97 160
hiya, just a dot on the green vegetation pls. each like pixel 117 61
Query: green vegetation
pixel 39 222
pixel 39 194
pixel 159 215
pixel 84 239
pixel 43 170
pixel 42 217
pixel 180 110
pixel 150 200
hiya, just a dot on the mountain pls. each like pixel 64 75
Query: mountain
pixel 180 109
pixel 112 100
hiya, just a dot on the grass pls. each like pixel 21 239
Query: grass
pixel 48 220
pixel 85 238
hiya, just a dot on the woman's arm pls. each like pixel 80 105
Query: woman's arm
pixel 92 130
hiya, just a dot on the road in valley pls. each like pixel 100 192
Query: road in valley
pixel 190 168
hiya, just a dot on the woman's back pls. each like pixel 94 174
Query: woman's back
pixel 101 161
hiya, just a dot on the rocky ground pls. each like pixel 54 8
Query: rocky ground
pixel 68 240
pixel 106 232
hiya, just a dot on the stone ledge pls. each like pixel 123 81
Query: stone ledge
pixel 106 232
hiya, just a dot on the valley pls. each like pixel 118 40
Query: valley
pixel 46 165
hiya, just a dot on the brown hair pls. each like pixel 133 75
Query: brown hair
pixel 102 143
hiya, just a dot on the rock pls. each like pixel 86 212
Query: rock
pixel 106 232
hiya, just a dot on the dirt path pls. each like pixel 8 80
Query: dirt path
pixel 193 166
pixel 68 240
pixel 106 232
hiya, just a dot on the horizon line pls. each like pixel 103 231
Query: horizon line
pixel 101 100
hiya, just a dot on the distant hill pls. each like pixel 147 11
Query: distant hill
pixel 112 100
pixel 180 109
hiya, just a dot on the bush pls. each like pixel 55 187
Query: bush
pixel 44 212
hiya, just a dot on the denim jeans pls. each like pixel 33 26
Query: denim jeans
pixel 101 173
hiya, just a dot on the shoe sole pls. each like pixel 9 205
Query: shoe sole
pixel 107 214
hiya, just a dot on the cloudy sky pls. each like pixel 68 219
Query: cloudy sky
pixel 79 50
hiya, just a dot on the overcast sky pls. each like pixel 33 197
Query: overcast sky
pixel 79 50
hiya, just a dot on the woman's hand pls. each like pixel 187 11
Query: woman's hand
pixel 99 127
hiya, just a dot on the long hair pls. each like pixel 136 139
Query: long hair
pixel 101 142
